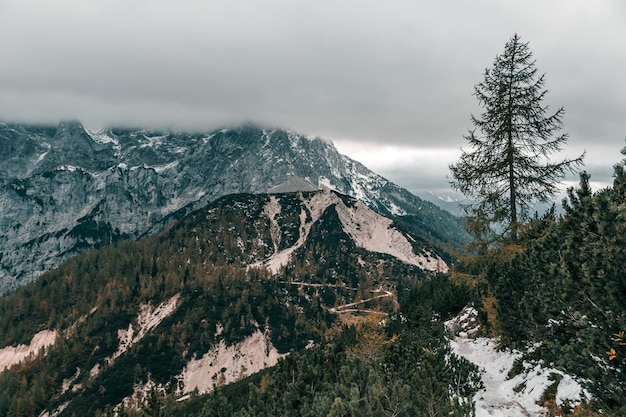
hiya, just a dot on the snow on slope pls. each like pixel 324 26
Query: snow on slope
pixel 101 136
pixel 518 396
pixel 367 228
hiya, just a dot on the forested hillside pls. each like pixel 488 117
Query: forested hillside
pixel 136 314
pixel 361 322
pixel 561 290
pixel 404 368
pixel 400 366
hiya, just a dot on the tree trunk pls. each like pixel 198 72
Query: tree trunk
pixel 511 150
pixel 512 192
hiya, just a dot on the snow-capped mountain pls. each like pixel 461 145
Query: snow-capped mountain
pixel 65 190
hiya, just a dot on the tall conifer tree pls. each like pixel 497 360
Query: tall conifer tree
pixel 508 168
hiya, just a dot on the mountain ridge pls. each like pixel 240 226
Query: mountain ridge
pixel 66 189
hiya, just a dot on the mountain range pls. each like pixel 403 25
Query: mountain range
pixel 253 271
pixel 65 190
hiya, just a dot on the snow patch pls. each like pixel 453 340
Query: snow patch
pixel 325 184
pixel 153 141
pixel 225 364
pixel 102 137
pixel 42 156
pixel 12 355
pixel 570 391
pixel 161 168
pixel 70 168
pixel 396 211
pixel 465 324
pixel 503 397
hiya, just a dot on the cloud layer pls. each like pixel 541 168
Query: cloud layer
pixel 398 72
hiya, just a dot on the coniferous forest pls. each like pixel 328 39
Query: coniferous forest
pixel 553 285
pixel 559 289
pixel 353 331
pixel 312 208
pixel 203 260
pixel 563 287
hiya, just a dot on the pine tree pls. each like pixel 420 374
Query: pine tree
pixel 508 168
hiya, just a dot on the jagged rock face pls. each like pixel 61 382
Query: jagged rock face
pixel 64 190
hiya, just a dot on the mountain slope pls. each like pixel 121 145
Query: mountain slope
pixel 194 306
pixel 65 190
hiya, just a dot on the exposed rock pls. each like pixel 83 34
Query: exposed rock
pixel 368 229
pixel 12 355
pixel 65 190
pixel 225 364
pixel 147 320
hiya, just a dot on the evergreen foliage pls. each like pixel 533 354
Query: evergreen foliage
pixel 408 371
pixel 204 259
pixel 508 167
pixel 562 289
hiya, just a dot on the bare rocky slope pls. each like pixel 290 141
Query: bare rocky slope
pixel 65 190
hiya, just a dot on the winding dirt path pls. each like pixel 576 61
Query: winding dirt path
pixel 345 308
pixel 306 284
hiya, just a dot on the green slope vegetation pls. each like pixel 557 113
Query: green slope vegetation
pixel 403 368
pixel 203 259
pixel 562 289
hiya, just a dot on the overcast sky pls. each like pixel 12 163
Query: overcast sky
pixel 390 82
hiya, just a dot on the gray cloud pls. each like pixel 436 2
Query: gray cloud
pixel 397 72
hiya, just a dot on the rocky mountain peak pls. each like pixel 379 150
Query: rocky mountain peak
pixel 65 190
